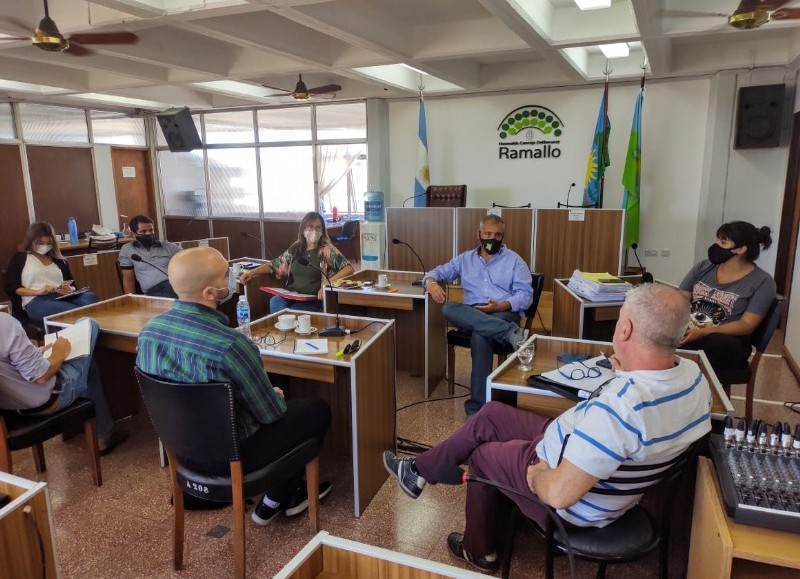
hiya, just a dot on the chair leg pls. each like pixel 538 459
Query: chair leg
pixel 509 547
pixel 5 453
pixel 312 487
pixel 38 457
pixel 93 452
pixel 751 386
pixel 178 515
pixel 237 490
pixel 451 369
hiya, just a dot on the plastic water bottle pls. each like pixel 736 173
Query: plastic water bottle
pixel 243 315
pixel 72 227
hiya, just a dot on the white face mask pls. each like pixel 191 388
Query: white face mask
pixel 312 236
pixel 43 248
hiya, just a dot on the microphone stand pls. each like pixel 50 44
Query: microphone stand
pixel 138 258
pixel 337 331
pixel 413 197
pixel 647 277
pixel 258 239
pixel 396 241
pixel 567 205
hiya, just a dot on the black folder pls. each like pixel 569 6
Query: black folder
pixel 539 381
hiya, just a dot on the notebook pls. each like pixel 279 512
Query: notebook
pixel 316 346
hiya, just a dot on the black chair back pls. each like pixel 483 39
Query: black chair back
pixel 763 334
pixel 446 196
pixel 349 229
pixel 537 281
pixel 138 288
pixel 196 422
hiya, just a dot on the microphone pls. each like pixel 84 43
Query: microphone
pixel 137 257
pixel 414 197
pixel 571 185
pixel 258 239
pixel 449 474
pixel 335 332
pixel 647 277
pixel 416 281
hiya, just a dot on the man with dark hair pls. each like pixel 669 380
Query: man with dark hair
pixel 155 255
pixel 497 291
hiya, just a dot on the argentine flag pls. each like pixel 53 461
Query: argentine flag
pixel 423 177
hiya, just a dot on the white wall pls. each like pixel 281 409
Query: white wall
pixel 106 190
pixel 463 148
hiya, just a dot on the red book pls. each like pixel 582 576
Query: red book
pixel 289 295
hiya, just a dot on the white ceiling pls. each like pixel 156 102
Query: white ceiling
pixel 466 46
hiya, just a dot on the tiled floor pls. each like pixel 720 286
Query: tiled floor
pixel 123 529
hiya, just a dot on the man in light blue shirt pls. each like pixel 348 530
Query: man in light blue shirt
pixel 497 290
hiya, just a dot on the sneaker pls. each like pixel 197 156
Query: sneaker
pixel 518 335
pixel 401 469
pixel 299 501
pixel 263 514
pixel 488 563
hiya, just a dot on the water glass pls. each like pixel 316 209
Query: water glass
pixel 525 356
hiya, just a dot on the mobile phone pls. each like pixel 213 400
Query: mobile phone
pixel 479 305
pixel 604 363
pixel 67 282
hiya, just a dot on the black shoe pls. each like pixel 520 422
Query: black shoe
pixel 488 563
pixel 400 468
pixel 299 501
pixel 263 514
pixel 117 437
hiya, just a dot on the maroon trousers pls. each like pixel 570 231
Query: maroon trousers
pixel 498 443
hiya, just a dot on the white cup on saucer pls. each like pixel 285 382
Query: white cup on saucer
pixel 304 324
pixel 286 322
pixel 383 280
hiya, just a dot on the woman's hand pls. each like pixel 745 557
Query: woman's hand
pixel 694 333
pixel 245 276
pixel 64 289
pixel 321 292
pixel 46 290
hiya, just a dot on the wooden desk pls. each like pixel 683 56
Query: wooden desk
pixel 82 246
pixel 421 338
pixel 258 300
pixel 577 317
pixel 362 397
pixel 717 540
pixel 508 384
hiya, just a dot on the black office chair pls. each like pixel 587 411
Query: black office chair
pixel 462 339
pixel 348 236
pixel 33 330
pixel 760 340
pixel 138 288
pixel 446 196
pixel 19 431
pixel 197 423
pixel 634 535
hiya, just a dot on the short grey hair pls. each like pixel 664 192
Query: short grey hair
pixel 659 314
pixel 491 218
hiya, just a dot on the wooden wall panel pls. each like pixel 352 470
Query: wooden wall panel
pixel 185 228
pixel 63 186
pixel 238 245
pixel 519 229
pixel 14 216
pixel 429 230
pixel 279 235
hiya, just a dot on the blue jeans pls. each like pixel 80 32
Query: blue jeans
pixel 47 305
pixel 278 303
pixel 487 331
pixel 80 377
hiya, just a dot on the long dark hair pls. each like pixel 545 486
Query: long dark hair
pixel 37 230
pixel 744 233
pixel 299 247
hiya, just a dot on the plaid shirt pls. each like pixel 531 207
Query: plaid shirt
pixel 192 343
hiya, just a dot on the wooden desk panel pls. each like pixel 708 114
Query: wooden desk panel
pixel 186 228
pixel 429 230
pixel 97 271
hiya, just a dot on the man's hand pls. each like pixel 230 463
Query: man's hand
pixel 60 349
pixel 533 470
pixel 494 306
pixel 615 363
pixel 436 291
pixel 279 391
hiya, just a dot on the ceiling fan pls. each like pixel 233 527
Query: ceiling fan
pixel 748 15
pixel 47 36
pixel 302 93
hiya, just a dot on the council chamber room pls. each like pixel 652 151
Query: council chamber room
pixel 347 289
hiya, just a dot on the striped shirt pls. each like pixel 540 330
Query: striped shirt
pixel 192 343
pixel 646 417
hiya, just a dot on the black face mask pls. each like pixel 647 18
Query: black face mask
pixel 718 255
pixel 146 239
pixel 491 246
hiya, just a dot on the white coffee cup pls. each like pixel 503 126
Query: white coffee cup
pixel 287 321
pixel 304 324
pixel 383 280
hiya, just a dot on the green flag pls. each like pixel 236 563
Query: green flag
pixel 631 177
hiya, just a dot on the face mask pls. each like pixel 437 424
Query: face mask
pixel 224 296
pixel 491 246
pixel 718 255
pixel 44 248
pixel 312 235
pixel 146 239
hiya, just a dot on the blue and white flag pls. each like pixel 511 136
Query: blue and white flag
pixel 423 176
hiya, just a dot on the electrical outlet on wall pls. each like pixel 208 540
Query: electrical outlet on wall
pixel 651 253
pixel 665 253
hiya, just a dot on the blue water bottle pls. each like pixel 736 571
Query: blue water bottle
pixel 243 315
pixel 72 227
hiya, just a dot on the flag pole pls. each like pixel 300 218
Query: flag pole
pixel 602 150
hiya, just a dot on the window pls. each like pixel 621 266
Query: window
pixel 183 182
pixel 48 123
pixel 287 180
pixel 348 121
pixel 229 127
pixel 6 122
pixel 281 125
pixel 232 182
pixel 342 176
pixel 117 129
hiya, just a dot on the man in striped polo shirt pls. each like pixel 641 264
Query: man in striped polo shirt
pixel 654 408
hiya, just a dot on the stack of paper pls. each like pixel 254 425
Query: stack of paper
pixel 598 287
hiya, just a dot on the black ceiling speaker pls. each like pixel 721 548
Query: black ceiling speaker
pixel 179 130
pixel 759 116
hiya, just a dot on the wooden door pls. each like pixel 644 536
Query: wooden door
pixel 14 216
pixel 133 183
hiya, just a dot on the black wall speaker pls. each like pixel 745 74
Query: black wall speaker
pixel 179 130
pixel 759 116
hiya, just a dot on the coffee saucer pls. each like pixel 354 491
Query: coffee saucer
pixel 285 328
pixel 387 286
pixel 311 330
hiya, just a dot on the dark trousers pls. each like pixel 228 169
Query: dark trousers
pixel 498 443
pixel 162 290
pixel 723 351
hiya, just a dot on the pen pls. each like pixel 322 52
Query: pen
pixel 312 345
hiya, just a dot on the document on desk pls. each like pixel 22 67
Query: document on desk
pixel 317 346
pixel 79 336
pixel 593 375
